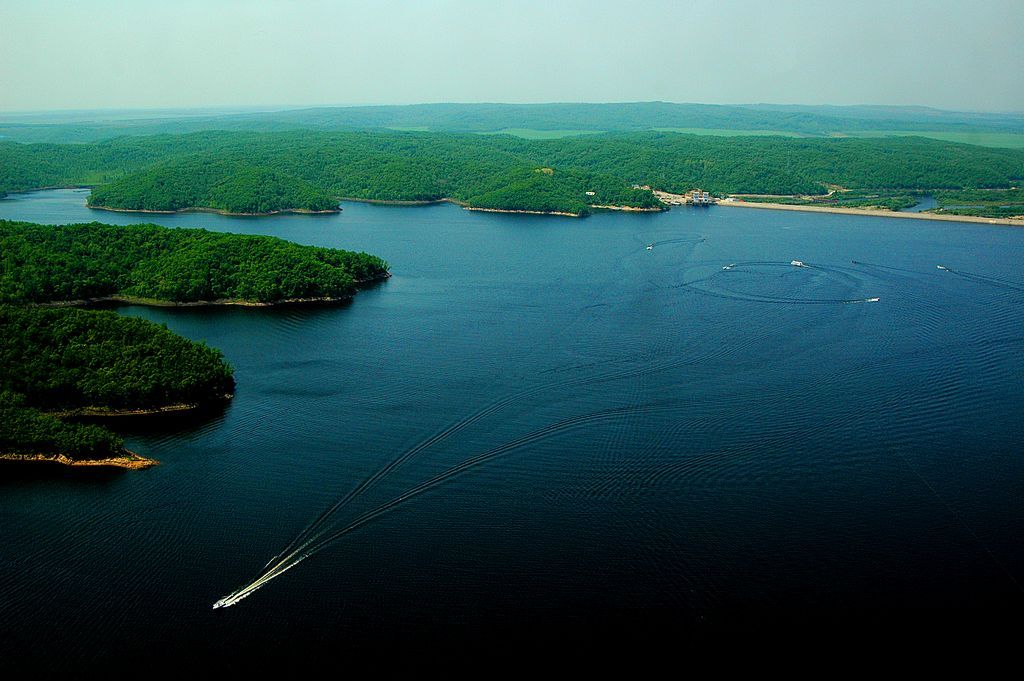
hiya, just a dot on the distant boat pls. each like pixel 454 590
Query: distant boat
pixel 650 247
pixel 798 263
pixel 729 267
pixel 871 300
pixel 943 267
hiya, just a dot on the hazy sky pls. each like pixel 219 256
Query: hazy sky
pixel 954 54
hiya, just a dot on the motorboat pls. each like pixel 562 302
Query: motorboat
pixel 650 247
pixel 797 263
pixel 943 268
pixel 729 267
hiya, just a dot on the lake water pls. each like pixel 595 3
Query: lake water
pixel 924 203
pixel 671 447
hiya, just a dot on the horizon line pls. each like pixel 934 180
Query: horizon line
pixel 281 107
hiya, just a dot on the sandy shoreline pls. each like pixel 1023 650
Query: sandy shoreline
pixel 876 213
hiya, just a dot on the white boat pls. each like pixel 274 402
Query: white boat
pixel 650 247
pixel 729 267
pixel 943 267
pixel 797 263
pixel 871 300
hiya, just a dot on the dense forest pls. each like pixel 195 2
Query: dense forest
pixel 24 430
pixel 40 264
pixel 212 183
pixel 300 169
pixel 64 359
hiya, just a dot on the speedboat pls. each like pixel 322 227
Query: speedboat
pixel 650 247
pixel 798 263
pixel 729 267
pixel 871 300
pixel 943 268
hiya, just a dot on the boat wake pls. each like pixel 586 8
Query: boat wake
pixel 300 550
pixel 1007 284
pixel 714 285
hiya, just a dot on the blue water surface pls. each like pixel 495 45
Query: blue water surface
pixel 669 444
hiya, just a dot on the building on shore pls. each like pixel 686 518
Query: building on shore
pixel 701 198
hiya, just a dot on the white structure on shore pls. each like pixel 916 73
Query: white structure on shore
pixel 701 198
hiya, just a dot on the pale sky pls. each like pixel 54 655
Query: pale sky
pixel 87 54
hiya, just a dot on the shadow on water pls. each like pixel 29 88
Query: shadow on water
pixel 18 473
pixel 218 308
pixel 167 423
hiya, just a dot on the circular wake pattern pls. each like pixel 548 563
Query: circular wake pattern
pixel 780 282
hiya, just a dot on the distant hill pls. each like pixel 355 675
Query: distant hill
pixel 617 117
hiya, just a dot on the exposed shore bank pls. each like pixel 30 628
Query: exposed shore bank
pixel 395 202
pixel 222 302
pixel 524 212
pixel 630 209
pixel 463 204
pixel 130 460
pixel 215 211
pixel 878 213
pixel 104 412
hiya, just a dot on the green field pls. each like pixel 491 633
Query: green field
pixel 1005 140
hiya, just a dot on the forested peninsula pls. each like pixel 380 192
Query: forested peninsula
pixel 311 170
pixel 61 363
pixel 58 363
pixel 149 264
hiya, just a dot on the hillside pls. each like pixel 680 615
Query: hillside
pixel 300 170
pixel 204 181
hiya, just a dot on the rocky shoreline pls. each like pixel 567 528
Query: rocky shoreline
pixel 130 460
pixel 104 412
